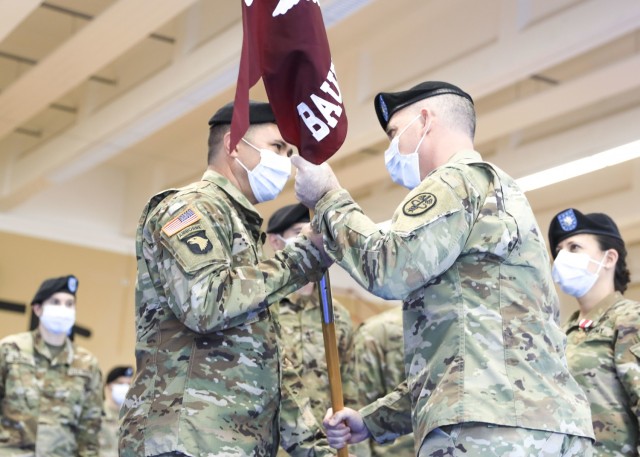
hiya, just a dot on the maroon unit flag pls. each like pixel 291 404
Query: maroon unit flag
pixel 286 44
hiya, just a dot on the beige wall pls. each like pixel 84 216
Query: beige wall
pixel 105 294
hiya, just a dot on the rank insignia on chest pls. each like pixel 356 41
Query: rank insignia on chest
pixel 183 220
pixel 196 239
pixel 419 204
pixel 585 324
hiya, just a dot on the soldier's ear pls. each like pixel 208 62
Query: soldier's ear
pixel 37 309
pixel 226 142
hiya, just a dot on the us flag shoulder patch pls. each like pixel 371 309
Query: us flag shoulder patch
pixel 181 221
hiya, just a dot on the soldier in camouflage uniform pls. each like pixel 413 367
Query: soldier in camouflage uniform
pixel 484 356
pixel 300 317
pixel 379 368
pixel 603 348
pixel 208 366
pixel 50 389
pixel 116 386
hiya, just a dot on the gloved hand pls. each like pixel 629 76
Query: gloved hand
pixel 313 181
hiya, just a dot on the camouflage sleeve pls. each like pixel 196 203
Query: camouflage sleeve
pixel 627 358
pixel 427 233
pixel 390 416
pixel 87 436
pixel 213 290
pixel 369 370
pixel 300 434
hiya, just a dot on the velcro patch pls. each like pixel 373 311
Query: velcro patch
pixel 419 204
pixel 181 221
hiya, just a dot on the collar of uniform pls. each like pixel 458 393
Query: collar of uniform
pixel 593 317
pixel 466 155
pixel 223 183
pixel 39 345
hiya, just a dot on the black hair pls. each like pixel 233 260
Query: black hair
pixel 216 134
pixel 622 275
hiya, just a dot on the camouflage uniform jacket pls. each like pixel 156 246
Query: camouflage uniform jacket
pixel 109 431
pixel 50 405
pixel 208 372
pixel 604 357
pixel 482 343
pixel 379 368
pixel 300 319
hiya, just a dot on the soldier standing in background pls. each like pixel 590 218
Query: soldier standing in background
pixel 300 316
pixel 50 388
pixel 378 355
pixel 484 355
pixel 208 366
pixel 603 342
pixel 116 386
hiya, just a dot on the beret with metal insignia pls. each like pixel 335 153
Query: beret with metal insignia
pixel 259 113
pixel 68 284
pixel 387 103
pixel 286 216
pixel 572 222
pixel 116 372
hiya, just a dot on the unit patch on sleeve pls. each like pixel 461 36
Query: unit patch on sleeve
pixel 196 239
pixel 181 221
pixel 419 204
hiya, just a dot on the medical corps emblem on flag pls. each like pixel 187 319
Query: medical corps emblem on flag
pixel 286 44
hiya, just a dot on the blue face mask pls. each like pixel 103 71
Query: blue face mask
pixel 269 177
pixel 404 168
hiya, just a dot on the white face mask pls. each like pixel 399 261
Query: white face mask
pixel 269 177
pixel 118 392
pixel 570 271
pixel 58 318
pixel 286 241
pixel 404 168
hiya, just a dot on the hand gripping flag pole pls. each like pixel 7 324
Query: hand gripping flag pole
pixel 285 43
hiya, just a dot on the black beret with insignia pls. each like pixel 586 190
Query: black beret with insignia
pixel 387 103
pixel 572 222
pixel 68 284
pixel 286 216
pixel 259 113
pixel 116 372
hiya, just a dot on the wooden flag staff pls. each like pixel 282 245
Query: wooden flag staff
pixel 331 349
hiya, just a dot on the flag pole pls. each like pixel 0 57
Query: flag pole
pixel 331 349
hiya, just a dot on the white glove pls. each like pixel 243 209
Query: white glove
pixel 313 181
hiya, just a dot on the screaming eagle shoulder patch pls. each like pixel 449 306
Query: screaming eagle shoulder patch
pixel 196 239
pixel 183 220
pixel 419 204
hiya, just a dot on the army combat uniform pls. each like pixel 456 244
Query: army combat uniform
pixel 50 406
pixel 109 431
pixel 208 372
pixel 301 331
pixel 379 368
pixel 482 344
pixel 603 351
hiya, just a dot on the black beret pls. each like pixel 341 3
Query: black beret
pixel 572 222
pixel 387 103
pixel 259 113
pixel 286 216
pixel 68 284
pixel 116 372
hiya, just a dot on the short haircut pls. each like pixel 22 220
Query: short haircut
pixel 456 112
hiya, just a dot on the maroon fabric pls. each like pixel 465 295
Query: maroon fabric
pixel 286 44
